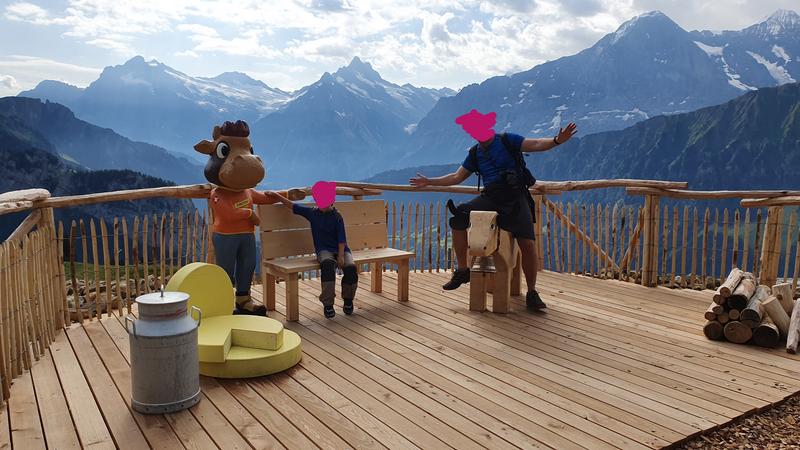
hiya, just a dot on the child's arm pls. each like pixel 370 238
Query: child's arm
pixel 268 197
pixel 276 197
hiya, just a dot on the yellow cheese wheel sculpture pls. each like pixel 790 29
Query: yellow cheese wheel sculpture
pixel 233 346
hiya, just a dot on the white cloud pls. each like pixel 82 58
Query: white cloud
pixel 8 85
pixel 27 12
pixel 429 42
pixel 28 71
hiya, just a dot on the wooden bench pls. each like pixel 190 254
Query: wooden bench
pixel 287 248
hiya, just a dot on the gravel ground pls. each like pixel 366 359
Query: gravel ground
pixel 776 428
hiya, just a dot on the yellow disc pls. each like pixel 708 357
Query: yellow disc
pixel 218 334
pixel 244 362
pixel 208 286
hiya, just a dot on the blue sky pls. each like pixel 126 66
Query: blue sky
pixel 290 43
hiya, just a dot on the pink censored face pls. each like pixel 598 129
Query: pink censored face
pixel 478 125
pixel 324 193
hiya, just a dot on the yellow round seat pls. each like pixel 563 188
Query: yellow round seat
pixel 243 362
pixel 233 346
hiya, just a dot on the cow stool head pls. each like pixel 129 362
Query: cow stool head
pixel 232 163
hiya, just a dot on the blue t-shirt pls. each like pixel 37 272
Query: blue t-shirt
pixel 493 160
pixel 327 228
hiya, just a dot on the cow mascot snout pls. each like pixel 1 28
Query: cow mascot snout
pixel 235 170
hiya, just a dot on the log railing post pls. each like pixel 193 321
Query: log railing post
pixel 770 248
pixel 651 221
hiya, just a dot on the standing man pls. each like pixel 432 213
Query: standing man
pixel 497 158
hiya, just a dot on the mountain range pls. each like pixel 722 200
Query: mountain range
pixel 352 123
pixel 54 128
pixel 648 67
pixel 751 142
pixel 29 162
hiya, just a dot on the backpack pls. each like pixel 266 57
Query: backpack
pixel 522 170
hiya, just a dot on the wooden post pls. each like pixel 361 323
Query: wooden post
pixel 292 298
pixel 650 258
pixel 402 280
pixel 376 277
pixel 769 257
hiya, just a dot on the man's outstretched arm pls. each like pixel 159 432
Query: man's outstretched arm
pixel 544 144
pixel 451 179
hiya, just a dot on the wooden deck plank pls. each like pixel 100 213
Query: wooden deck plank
pixel 214 423
pixel 347 428
pixel 727 354
pixel 155 428
pixel 758 358
pixel 25 426
pixel 512 399
pixel 474 408
pixel 406 417
pixel 247 425
pixel 283 429
pixel 449 424
pixel 678 426
pixel 545 331
pixel 5 428
pixel 609 365
pixel 316 430
pixel 59 429
pixel 92 429
pixel 377 425
pixel 113 407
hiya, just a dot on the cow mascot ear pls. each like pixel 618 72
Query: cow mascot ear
pixel 207 147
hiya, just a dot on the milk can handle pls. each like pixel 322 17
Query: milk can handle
pixel 199 314
pixel 127 320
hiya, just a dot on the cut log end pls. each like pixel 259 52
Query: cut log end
pixel 737 332
pixel 766 334
pixel 713 330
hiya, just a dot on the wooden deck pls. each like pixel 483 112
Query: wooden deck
pixel 609 365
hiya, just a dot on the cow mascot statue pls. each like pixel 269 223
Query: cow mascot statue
pixel 235 170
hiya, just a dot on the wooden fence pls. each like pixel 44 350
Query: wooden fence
pixel 109 263
pixel 33 307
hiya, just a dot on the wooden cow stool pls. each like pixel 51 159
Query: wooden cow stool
pixel 486 240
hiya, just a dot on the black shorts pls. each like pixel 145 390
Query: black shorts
pixel 515 212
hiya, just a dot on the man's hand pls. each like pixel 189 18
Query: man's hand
pixel 420 181
pixel 565 133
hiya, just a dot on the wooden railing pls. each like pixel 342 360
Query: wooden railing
pixel 53 273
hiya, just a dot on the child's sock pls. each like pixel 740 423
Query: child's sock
pixel 329 312
pixel 348 306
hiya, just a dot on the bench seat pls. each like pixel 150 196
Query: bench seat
pixel 304 263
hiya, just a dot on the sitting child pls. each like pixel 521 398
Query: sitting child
pixel 330 245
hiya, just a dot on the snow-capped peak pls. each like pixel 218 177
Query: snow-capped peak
pixel 780 22
pixel 640 21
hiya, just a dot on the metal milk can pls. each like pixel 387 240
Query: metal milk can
pixel 165 372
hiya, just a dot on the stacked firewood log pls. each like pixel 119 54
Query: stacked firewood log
pixel 743 311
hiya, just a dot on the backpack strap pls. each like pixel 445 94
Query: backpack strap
pixel 473 157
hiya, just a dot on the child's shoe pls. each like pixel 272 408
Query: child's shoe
pixel 329 312
pixel 348 306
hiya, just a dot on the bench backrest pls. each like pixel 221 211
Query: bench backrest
pixel 285 234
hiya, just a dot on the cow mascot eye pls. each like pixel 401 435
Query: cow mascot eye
pixel 222 150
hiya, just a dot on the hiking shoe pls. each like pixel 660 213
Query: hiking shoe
pixel 329 312
pixel 533 301
pixel 348 306
pixel 460 276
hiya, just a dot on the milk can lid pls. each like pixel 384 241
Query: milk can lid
pixel 162 298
